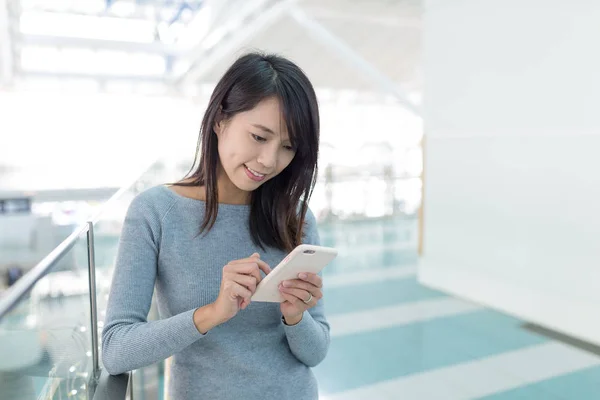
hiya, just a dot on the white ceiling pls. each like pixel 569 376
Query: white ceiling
pixel 381 39
pixel 384 33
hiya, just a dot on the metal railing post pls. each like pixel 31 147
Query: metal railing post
pixel 93 306
pixel 130 387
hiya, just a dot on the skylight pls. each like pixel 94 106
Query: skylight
pixel 87 26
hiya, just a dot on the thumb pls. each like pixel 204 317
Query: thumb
pixel 255 255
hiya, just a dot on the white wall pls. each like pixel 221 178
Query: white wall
pixel 512 124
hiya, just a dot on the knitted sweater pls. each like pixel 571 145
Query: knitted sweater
pixel 254 355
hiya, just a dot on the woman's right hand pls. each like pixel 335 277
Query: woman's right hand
pixel 238 284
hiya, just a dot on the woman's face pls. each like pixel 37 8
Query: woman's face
pixel 254 145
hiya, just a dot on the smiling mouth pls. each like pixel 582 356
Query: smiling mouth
pixel 254 175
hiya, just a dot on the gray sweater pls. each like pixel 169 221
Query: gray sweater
pixel 252 356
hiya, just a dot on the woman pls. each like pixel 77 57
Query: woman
pixel 207 241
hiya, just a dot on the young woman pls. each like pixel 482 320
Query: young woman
pixel 206 242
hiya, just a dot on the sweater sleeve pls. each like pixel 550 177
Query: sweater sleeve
pixel 129 341
pixel 309 339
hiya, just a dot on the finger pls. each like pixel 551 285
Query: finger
pixel 300 284
pixel 249 269
pixel 244 303
pixel 309 287
pixel 252 258
pixel 251 266
pixel 249 281
pixel 294 300
pixel 311 278
pixel 240 291
pixel 263 266
pixel 243 266
pixel 300 294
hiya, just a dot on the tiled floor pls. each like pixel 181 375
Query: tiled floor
pixel 395 339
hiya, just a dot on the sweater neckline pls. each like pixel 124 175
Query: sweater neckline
pixel 190 200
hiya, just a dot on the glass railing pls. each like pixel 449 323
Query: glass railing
pixel 46 334
pixel 52 317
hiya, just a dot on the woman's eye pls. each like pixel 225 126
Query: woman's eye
pixel 258 138
pixel 290 148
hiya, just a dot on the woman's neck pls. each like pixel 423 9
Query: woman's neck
pixel 228 192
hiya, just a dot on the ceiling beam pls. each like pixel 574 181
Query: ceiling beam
pixel 85 43
pixel 353 59
pixel 201 24
pixel 93 76
pixel 253 22
pixel 393 20
pixel 234 11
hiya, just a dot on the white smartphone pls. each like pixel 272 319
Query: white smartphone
pixel 304 258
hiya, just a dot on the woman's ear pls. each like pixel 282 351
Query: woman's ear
pixel 219 125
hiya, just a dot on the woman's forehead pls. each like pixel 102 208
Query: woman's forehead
pixel 267 116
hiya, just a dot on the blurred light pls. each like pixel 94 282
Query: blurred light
pixel 114 62
pixel 88 85
pixel 86 26
pixel 169 33
pixel 197 29
pixel 87 6
pixel 34 57
pixel 40 84
pixel 30 321
pixel 122 8
pixel 166 13
pixel 148 11
pixel 325 94
pixel 190 91
pixel 214 38
pixel 347 96
pixel 90 62
pixel 180 67
pixel 416 97
pixel 151 88
pixel 73 6
pixel 72 369
pixel 119 86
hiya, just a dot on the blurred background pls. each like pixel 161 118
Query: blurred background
pixel 458 180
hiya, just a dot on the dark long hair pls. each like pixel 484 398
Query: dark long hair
pixel 278 207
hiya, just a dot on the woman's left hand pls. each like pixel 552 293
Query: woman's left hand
pixel 300 295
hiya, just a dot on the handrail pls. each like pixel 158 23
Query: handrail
pixel 26 282
pixel 112 387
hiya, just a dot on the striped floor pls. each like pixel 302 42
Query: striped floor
pixel 395 339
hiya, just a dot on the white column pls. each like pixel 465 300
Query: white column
pixel 6 56
pixel 512 195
